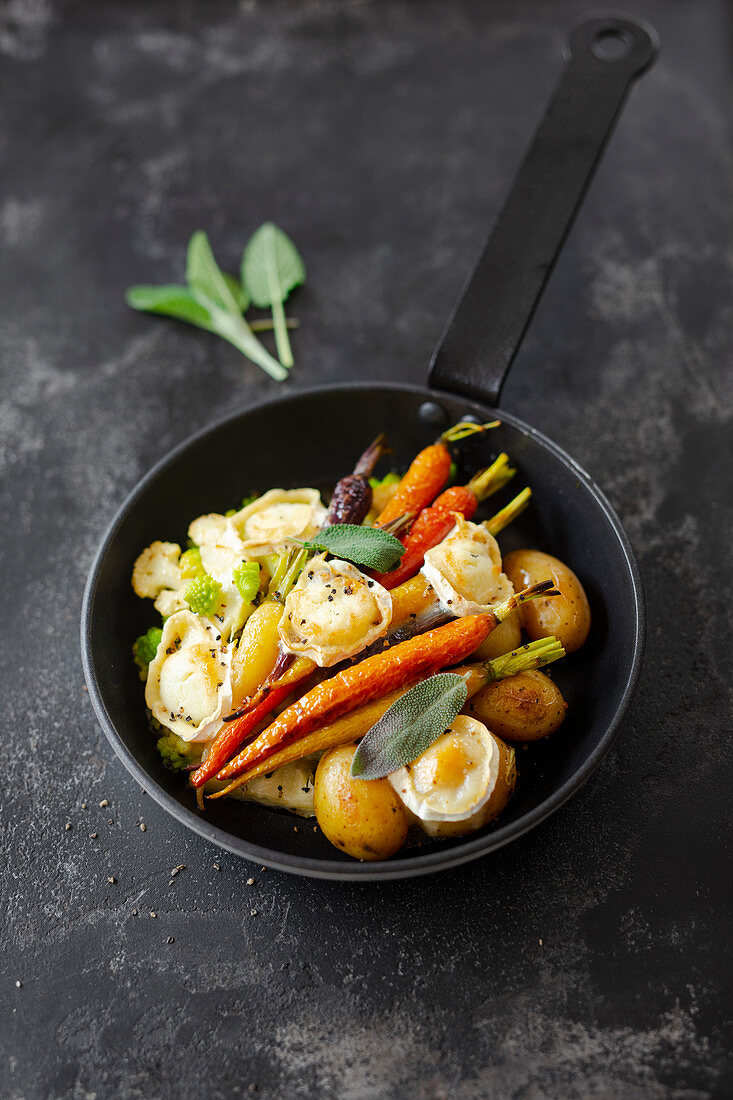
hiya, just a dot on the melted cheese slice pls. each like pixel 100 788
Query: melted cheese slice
pixel 273 520
pixel 465 570
pixel 455 777
pixel 189 686
pixel 334 612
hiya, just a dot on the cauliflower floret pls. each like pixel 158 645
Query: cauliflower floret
pixel 156 569
pixel 170 601
pixel 208 529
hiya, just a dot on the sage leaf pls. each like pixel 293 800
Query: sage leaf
pixel 410 726
pixel 172 301
pixel 211 290
pixel 238 292
pixel 365 546
pixel 271 268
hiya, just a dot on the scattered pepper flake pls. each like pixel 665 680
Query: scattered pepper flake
pixel 143 826
pixel 250 882
pixel 104 802
pixel 67 826
pixel 111 878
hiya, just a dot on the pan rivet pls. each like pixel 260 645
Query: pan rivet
pixel 433 414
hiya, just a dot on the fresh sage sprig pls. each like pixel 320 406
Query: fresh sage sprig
pixel 271 268
pixel 366 546
pixel 215 301
pixel 410 726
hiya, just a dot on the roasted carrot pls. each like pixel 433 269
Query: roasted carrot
pixel 234 733
pixel 434 522
pixel 427 474
pixel 350 727
pixel 376 676
pixel 352 497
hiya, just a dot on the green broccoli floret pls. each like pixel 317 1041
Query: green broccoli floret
pixel 190 563
pixel 202 594
pixel 178 753
pixel 246 577
pixel 145 648
pixel 230 512
pixel 388 479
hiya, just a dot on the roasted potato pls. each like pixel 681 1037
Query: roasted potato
pixel 258 649
pixel 503 790
pixel 524 707
pixel 567 616
pixel 506 636
pixel 364 818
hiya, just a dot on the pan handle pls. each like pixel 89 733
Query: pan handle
pixel 605 54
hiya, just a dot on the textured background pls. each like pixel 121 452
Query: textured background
pixel 588 959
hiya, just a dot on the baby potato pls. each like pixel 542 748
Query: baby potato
pixel 506 636
pixel 567 616
pixel 524 707
pixel 364 818
pixel 503 790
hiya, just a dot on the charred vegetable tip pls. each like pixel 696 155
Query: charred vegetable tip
pixel 507 515
pixel 371 455
pixel 464 429
pixel 395 526
pixel 494 477
pixel 532 655
pixel 543 588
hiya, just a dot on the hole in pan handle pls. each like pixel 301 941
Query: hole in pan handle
pixel 605 54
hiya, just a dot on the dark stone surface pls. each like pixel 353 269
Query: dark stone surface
pixel 592 957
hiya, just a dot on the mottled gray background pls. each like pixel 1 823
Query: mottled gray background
pixel 590 959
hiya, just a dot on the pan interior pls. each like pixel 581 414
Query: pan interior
pixel 312 439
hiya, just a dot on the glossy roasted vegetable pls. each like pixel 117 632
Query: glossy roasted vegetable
pixel 506 781
pixel 566 616
pixel 525 707
pixel 508 635
pixel 364 818
pixel 436 521
pixel 400 666
pixel 427 474
pixel 352 497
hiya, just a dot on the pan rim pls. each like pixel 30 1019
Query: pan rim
pixel 334 870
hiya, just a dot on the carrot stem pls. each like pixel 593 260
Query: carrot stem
pixel 508 514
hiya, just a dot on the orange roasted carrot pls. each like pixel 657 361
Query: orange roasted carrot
pixel 231 735
pixel 352 726
pixel 435 522
pixel 376 676
pixel 427 474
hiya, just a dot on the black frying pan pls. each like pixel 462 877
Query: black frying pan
pixel 280 443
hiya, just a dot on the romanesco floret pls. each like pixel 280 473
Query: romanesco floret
pixel 246 577
pixel 190 563
pixel 202 594
pixel 176 752
pixel 145 648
